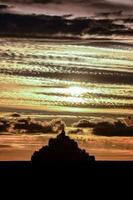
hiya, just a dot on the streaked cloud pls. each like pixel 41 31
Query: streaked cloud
pixel 74 7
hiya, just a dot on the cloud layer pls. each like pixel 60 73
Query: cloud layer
pixel 74 7
pixel 17 124
pixel 55 26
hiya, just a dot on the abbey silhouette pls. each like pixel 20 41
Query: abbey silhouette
pixel 61 149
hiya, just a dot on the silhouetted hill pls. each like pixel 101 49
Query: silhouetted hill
pixel 61 149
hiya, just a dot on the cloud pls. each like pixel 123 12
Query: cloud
pixel 74 7
pixel 47 1
pixel 121 2
pixel 83 123
pixel 3 6
pixel 83 2
pixel 118 128
pixel 61 26
pixel 75 131
pixel 92 122
pixel 15 123
pixel 104 126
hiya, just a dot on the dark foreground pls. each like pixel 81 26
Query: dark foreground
pixel 98 169
pixel 63 165
pixel 67 179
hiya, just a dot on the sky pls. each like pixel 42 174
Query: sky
pixel 66 79
pixel 73 7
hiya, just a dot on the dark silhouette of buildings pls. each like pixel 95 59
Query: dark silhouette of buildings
pixel 61 149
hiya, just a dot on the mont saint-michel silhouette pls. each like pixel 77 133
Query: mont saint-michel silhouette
pixel 61 149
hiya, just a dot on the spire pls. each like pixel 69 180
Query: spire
pixel 63 132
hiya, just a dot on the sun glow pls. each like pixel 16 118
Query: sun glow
pixel 76 90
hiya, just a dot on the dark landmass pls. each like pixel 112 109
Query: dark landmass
pixel 79 176
pixel 61 149
pixel 62 161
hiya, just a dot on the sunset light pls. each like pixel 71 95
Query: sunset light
pixel 76 90
pixel 66 67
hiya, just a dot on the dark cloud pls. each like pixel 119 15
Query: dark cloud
pixel 55 22
pixel 47 1
pixel 76 131
pixel 83 123
pixel 72 7
pixel 32 1
pixel 3 6
pixel 102 2
pixel 96 3
pixel 118 128
pixel 105 126
pixel 15 123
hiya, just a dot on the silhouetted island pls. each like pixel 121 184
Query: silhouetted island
pixel 63 162
pixel 61 149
